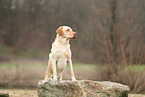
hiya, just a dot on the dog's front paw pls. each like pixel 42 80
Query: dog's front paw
pixel 55 78
pixel 46 78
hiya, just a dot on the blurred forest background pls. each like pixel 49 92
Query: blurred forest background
pixel 111 33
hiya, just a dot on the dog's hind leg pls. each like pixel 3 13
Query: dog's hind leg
pixel 47 72
pixel 60 76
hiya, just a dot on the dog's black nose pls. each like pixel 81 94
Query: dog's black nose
pixel 75 33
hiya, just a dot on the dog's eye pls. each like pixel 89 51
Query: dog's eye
pixel 67 30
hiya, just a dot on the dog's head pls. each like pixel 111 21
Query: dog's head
pixel 66 32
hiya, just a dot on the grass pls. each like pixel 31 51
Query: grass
pixel 80 67
pixel 136 68
pixel 77 67
pixel 20 66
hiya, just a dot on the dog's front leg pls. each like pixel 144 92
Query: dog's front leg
pixel 71 69
pixel 54 69
pixel 60 78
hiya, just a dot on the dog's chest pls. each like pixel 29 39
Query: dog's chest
pixel 61 51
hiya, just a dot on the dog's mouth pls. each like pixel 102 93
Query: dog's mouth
pixel 75 35
pixel 72 37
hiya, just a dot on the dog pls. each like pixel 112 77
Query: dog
pixel 60 54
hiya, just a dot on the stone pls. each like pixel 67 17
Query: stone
pixel 4 95
pixel 81 88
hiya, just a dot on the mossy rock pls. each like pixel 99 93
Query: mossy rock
pixel 81 88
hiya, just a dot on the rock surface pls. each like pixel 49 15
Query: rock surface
pixel 81 88
pixel 4 95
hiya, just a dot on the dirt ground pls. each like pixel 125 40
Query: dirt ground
pixel 33 93
pixel 136 95
pixel 20 92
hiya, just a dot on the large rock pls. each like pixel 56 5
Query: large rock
pixel 81 88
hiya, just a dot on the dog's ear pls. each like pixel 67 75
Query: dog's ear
pixel 60 31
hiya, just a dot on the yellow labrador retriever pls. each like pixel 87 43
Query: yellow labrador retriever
pixel 60 54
